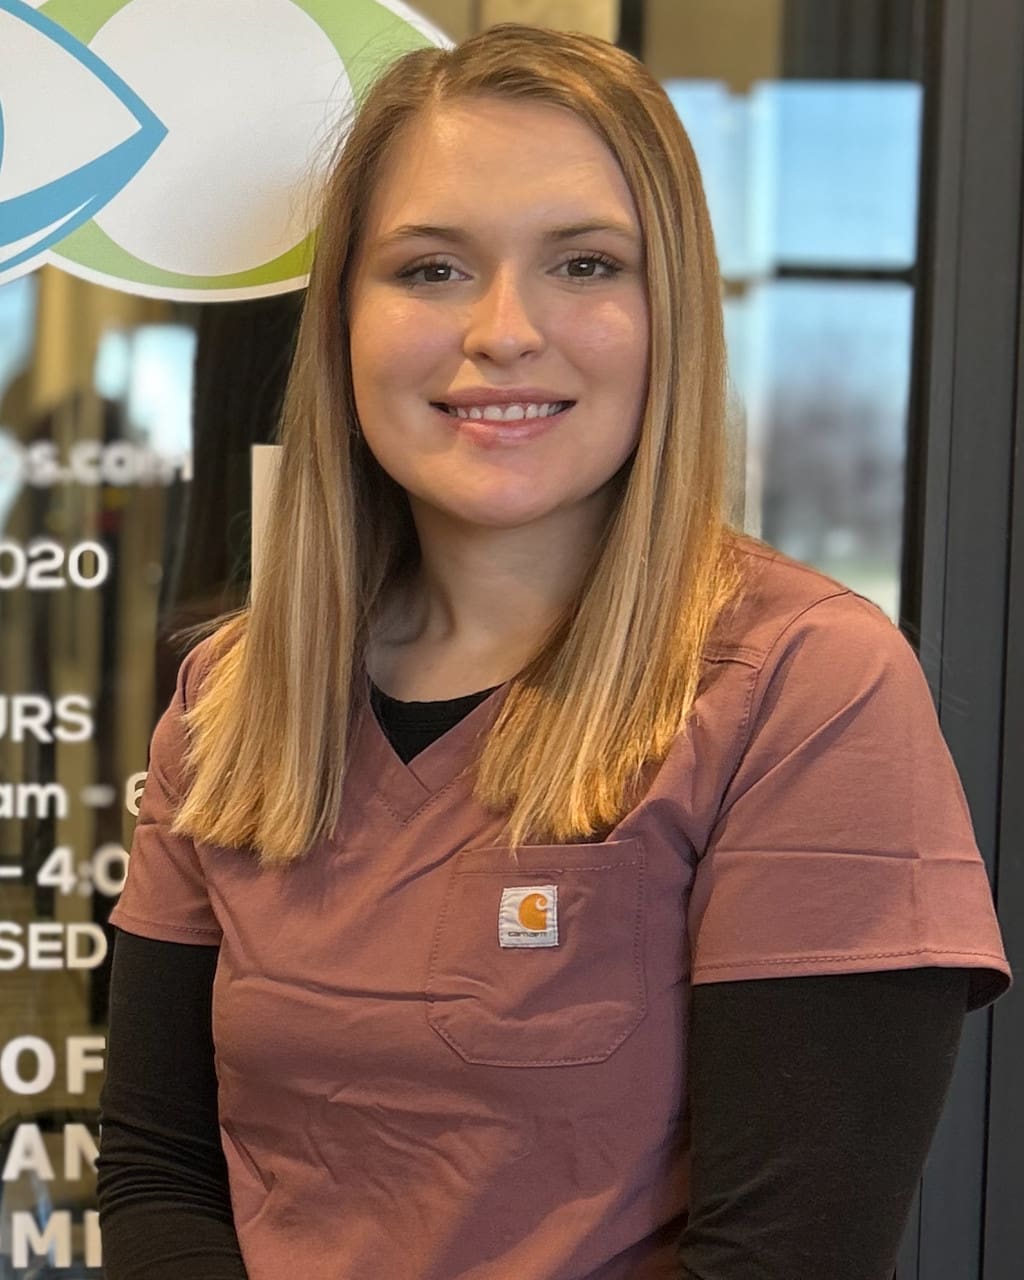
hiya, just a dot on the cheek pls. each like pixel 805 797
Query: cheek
pixel 611 341
pixel 392 340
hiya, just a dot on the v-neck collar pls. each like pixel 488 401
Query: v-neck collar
pixel 406 788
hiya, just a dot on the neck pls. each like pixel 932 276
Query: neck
pixel 484 590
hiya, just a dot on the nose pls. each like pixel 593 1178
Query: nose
pixel 503 325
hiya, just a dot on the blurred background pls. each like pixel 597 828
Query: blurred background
pixel 833 136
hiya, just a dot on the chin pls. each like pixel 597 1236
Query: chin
pixel 492 502
pixel 510 516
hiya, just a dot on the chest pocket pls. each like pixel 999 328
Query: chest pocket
pixel 540 1005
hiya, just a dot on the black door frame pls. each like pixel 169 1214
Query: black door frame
pixel 963 581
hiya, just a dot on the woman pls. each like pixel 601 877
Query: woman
pixel 551 845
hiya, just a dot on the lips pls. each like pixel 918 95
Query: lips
pixel 494 433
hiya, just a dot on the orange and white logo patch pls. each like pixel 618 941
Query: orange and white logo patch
pixel 528 916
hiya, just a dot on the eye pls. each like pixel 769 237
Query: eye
pixel 106 136
pixel 433 265
pixel 611 267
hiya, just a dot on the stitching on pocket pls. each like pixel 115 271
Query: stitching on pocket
pixel 638 990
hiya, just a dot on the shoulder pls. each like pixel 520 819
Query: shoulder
pixel 202 660
pixel 783 608
pixel 170 737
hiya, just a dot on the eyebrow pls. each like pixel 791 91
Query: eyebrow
pixel 455 235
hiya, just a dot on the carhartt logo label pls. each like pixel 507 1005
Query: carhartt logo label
pixel 528 916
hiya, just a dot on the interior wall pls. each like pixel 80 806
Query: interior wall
pixel 738 41
pixel 460 18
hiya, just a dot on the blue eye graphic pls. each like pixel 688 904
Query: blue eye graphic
pixel 174 148
pixel 72 134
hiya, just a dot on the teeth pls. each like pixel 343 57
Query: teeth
pixel 508 412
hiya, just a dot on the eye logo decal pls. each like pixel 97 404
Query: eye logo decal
pixel 37 207
pixel 171 148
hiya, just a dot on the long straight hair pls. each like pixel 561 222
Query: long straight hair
pixel 614 681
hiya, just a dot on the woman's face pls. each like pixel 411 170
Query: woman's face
pixel 501 270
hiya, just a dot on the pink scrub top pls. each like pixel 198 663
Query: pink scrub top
pixel 433 1064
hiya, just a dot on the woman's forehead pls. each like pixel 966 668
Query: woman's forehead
pixel 497 155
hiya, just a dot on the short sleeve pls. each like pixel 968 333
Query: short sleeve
pixel 165 895
pixel 843 843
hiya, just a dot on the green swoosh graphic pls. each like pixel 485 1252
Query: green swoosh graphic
pixel 367 38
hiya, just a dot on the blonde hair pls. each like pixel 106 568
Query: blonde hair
pixel 613 683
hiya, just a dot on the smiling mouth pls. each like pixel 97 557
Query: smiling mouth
pixel 516 412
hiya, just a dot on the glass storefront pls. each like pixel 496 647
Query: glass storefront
pixel 127 426
pixel 811 172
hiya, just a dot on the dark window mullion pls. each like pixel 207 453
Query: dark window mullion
pixel 885 275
